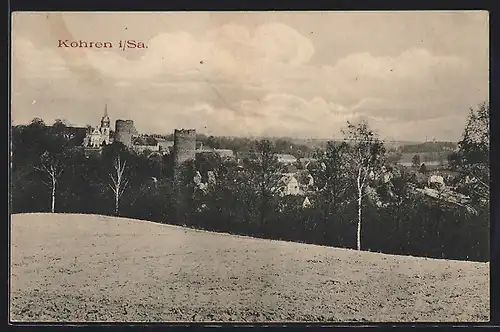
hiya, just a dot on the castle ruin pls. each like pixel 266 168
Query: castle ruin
pixel 184 152
pixel 184 146
pixel 124 131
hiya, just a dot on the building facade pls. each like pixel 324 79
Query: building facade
pixel 101 135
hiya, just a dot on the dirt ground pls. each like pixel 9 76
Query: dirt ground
pixel 75 268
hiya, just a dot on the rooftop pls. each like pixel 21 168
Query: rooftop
pixel 144 140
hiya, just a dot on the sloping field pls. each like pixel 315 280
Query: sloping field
pixel 92 268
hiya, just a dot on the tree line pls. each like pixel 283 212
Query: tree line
pixel 352 204
pixel 428 147
pixel 245 144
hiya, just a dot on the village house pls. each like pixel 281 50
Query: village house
pixel 286 159
pixel 288 185
pixel 295 184
pixel 223 153
pixel 145 143
pixel 435 181
pixel 165 146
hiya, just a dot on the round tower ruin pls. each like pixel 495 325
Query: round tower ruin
pixel 124 130
pixel 184 151
pixel 184 146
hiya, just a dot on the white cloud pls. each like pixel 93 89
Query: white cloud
pixel 274 87
pixel 276 114
pixel 289 115
pixel 232 51
pixel 272 55
pixel 412 63
pixel 30 62
pixel 441 128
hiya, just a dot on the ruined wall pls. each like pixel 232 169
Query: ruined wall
pixel 124 131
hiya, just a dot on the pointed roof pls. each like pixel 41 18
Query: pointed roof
pixel 105 118
pixel 306 203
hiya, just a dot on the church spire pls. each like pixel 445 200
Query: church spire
pixel 105 119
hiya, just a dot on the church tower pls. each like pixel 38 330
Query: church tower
pixel 105 126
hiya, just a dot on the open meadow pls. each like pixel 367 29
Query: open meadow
pixel 70 267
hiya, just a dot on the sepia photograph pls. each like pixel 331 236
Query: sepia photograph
pixel 250 167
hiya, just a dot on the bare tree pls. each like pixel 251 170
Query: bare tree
pixel 119 181
pixel 58 149
pixel 366 159
pixel 53 167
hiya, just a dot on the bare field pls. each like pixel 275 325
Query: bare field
pixel 74 268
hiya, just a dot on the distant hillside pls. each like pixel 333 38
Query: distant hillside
pixel 429 147
pixel 236 142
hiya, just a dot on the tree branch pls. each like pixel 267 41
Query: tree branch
pixel 113 179
pixel 112 188
pixel 479 180
pixel 123 187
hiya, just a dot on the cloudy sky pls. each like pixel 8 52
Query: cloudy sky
pixel 411 75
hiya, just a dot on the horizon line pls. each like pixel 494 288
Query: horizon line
pixel 284 137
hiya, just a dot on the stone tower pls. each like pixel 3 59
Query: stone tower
pixel 184 151
pixel 184 146
pixel 124 130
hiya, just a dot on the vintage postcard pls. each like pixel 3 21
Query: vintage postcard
pixel 250 167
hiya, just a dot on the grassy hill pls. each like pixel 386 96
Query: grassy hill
pixel 67 267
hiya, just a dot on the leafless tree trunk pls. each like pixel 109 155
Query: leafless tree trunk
pixel 360 193
pixel 361 179
pixel 119 182
pixel 54 173
pixel 367 156
pixel 54 182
